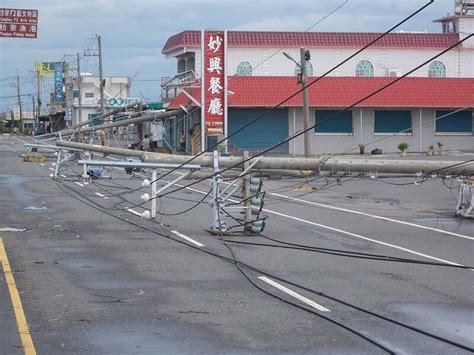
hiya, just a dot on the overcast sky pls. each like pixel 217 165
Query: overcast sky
pixel 134 32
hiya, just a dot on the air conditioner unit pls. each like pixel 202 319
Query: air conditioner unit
pixel 394 73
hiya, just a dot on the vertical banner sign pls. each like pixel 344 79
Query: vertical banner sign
pixel 58 81
pixel 213 105
pixel 18 23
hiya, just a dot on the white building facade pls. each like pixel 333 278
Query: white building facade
pixel 259 55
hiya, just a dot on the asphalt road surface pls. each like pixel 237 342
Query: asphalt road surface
pixel 379 267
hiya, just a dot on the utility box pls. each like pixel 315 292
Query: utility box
pixel 465 203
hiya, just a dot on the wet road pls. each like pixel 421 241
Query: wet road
pixel 92 283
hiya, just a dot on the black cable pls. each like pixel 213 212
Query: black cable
pixel 232 261
pixel 312 82
pixel 348 254
pixel 328 118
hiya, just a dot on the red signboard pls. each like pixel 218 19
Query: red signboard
pixel 18 23
pixel 213 83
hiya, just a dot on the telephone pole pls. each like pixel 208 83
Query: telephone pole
pixel 304 57
pixel 19 102
pixel 101 76
pixel 79 89
pixel 38 96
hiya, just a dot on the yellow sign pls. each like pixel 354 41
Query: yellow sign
pixel 45 69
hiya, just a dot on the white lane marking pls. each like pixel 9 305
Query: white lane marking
pixel 51 169
pixel 361 237
pixel 294 294
pixel 187 238
pixel 100 195
pixel 342 232
pixel 42 164
pixel 62 175
pixel 372 216
pixel 78 183
pixel 134 212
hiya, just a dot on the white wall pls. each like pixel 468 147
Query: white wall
pixel 325 59
pixel 422 136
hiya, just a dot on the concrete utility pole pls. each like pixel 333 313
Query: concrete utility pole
pixel 34 108
pixel 304 57
pixel 39 93
pixel 79 89
pixel 101 76
pixel 19 102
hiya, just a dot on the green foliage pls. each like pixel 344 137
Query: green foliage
pixel 403 146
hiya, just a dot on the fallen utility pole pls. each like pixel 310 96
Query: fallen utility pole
pixel 389 166
pixel 144 118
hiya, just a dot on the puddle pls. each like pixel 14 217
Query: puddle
pixel 454 322
pixel 81 264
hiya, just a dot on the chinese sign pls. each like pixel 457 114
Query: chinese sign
pixel 45 69
pixel 58 81
pixel 213 106
pixel 18 23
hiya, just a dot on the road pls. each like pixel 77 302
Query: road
pixel 95 278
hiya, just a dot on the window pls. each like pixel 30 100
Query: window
pixel 437 69
pixel 89 95
pixel 388 122
pixel 459 122
pixel 309 68
pixel 340 124
pixel 244 69
pixel 181 65
pixel 364 69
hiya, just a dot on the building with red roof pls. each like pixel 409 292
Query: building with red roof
pixel 434 104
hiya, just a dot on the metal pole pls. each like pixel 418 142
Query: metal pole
pixel 153 193
pixel 79 89
pixel 101 76
pixel 34 108
pixel 19 102
pixel 306 120
pixel 39 93
pixel 248 201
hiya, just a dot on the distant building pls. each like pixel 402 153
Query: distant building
pixel 260 77
pixel 116 93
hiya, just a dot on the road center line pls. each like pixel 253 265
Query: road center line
pixel 187 238
pixel 51 169
pixel 361 237
pixel 22 324
pixel 134 212
pixel 294 294
pixel 343 232
pixel 100 195
pixel 78 183
pixel 372 216
pixel 42 164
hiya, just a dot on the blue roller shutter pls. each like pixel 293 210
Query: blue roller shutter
pixel 342 123
pixel 459 122
pixel 267 131
pixel 387 121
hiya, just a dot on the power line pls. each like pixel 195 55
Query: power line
pixel 308 85
pixel 328 118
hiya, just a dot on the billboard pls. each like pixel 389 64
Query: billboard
pixel 214 83
pixel 58 81
pixel 18 23
pixel 45 69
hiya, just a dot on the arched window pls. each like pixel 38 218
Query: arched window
pixel 437 70
pixel 309 69
pixel 190 64
pixel 244 69
pixel 181 65
pixel 364 69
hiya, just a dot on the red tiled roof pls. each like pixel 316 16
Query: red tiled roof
pixel 317 39
pixel 344 91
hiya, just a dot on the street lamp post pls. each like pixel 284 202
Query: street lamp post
pixel 302 76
